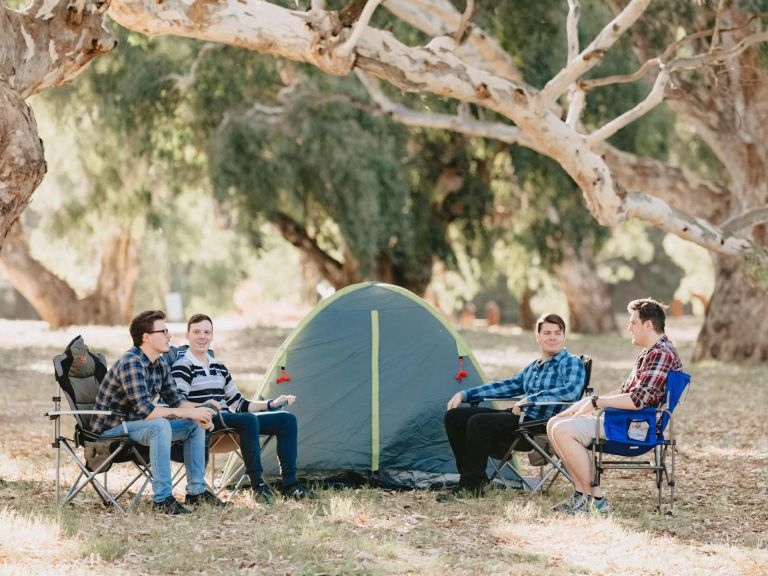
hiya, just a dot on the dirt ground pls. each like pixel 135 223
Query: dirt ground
pixel 720 523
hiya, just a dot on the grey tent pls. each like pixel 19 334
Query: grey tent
pixel 372 367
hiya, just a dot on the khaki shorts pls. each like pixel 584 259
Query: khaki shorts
pixel 585 427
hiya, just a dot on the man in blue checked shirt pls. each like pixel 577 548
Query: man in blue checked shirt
pixel 475 433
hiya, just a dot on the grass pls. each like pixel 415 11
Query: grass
pixel 720 522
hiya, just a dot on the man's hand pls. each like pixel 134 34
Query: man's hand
pixel 283 400
pixel 455 401
pixel 585 409
pixel 516 409
pixel 202 415
pixel 573 410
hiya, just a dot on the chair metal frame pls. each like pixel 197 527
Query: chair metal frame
pixel 661 440
pixel 529 440
pixel 122 449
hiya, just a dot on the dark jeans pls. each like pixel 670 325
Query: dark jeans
pixel 475 434
pixel 249 426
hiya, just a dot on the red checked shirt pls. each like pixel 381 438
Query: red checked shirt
pixel 648 380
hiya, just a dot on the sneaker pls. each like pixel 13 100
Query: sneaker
pixel 170 506
pixel 599 507
pixel 575 503
pixel 298 492
pixel 204 497
pixel 460 493
pixel 263 493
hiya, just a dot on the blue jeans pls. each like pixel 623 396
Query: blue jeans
pixel 249 426
pixel 158 435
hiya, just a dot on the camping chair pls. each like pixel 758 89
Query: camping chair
pixel 531 437
pixel 78 375
pixel 631 433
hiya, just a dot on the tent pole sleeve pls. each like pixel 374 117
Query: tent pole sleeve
pixel 374 390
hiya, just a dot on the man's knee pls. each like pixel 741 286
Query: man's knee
pixel 559 430
pixel 477 428
pixel 456 418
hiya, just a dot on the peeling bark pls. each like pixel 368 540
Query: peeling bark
pixel 43 46
pixel 22 163
pixel 111 302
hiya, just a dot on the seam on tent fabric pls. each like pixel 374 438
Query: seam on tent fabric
pixel 375 446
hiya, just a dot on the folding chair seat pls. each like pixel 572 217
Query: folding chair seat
pixel 79 373
pixel 531 437
pixel 632 433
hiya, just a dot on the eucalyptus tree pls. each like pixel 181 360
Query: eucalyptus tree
pixel 465 64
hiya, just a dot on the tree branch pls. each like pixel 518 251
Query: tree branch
pixel 296 234
pixel 49 43
pixel 346 49
pixel 745 220
pixel 458 35
pixel 592 55
pixel 454 123
pixel 695 230
pixel 654 98
pixel 678 187
pixel 440 18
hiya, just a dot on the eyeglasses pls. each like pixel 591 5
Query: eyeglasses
pixel 163 331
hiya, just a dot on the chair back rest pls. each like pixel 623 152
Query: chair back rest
pixel 176 352
pixel 79 373
pixel 677 386
pixel 587 373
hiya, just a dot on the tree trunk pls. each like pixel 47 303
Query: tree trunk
pixel 22 164
pixel 733 327
pixel 527 317
pixel 45 45
pixel 56 302
pixel 589 306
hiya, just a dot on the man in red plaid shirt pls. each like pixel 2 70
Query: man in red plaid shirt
pixel 571 431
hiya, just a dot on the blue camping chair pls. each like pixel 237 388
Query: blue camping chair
pixel 631 433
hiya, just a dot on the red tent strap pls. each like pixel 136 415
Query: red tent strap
pixel 461 374
pixel 283 376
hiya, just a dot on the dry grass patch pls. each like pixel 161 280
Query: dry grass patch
pixel 719 525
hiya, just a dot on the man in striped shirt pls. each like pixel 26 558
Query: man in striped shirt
pixel 574 429
pixel 475 433
pixel 202 378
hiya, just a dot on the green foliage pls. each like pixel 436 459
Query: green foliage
pixel 357 181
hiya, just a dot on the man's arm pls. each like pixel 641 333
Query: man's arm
pixel 499 389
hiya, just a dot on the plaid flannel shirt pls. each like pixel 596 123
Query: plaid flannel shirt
pixel 558 379
pixel 647 382
pixel 130 387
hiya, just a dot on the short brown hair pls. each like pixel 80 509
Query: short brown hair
pixel 649 309
pixel 195 318
pixel 143 324
pixel 550 319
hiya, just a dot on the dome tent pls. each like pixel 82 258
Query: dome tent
pixel 372 368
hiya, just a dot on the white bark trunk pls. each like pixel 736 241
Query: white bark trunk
pixel 43 46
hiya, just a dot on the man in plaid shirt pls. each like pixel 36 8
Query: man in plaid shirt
pixel 476 433
pixel 127 395
pixel 574 429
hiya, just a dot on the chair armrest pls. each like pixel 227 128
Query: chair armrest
pixel 55 413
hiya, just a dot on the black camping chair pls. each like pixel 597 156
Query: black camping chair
pixel 531 437
pixel 79 373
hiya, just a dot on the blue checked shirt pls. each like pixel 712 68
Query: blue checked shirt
pixel 558 379
pixel 130 387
